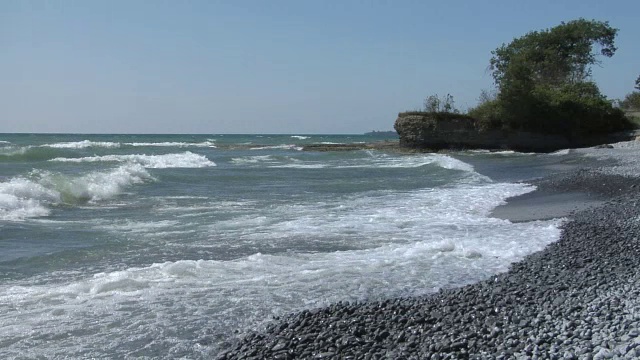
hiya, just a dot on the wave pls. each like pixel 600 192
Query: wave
pixel 500 152
pixel 14 150
pixel 443 161
pixel 377 217
pixel 300 137
pixel 182 160
pixel 301 166
pixel 82 144
pixel 375 161
pixel 253 159
pixel 33 196
pixel 108 144
pixel 278 147
pixel 138 302
pixel 28 153
pixel 208 143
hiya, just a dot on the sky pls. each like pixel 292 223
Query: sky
pixel 240 66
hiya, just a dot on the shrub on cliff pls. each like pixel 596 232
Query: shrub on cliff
pixel 440 109
pixel 488 112
pixel 543 82
pixel 631 101
pixel 434 104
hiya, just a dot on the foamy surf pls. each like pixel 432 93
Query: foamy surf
pixel 209 144
pixel 109 144
pixel 210 299
pixel 373 160
pixel 82 144
pixel 33 196
pixel 181 160
pixel 99 259
pixel 278 147
pixel 372 218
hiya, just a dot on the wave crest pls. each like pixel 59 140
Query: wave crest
pixel 33 196
pixel 186 159
pixel 82 144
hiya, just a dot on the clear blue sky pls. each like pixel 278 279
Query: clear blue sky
pixel 266 66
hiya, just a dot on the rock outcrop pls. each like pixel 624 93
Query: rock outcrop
pixel 437 131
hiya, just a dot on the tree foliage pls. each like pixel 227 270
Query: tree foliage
pixel 434 104
pixel 554 57
pixel 543 82
pixel 631 102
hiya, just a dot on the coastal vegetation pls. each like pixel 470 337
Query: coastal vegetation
pixel 543 85
pixel 631 102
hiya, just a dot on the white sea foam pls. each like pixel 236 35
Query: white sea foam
pixel 302 166
pixel 33 196
pixel 21 198
pixel 278 147
pixel 108 144
pixel 405 217
pixel 253 159
pixel 138 226
pixel 500 152
pixel 400 244
pixel 83 144
pixel 210 299
pixel 14 150
pixel 181 160
pixel 300 137
pixel 383 161
pixel 375 160
pixel 207 143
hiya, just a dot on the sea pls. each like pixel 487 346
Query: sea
pixel 173 246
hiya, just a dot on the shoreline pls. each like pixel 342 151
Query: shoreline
pixel 577 298
pixel 563 195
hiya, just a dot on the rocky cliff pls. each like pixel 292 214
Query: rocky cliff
pixel 437 131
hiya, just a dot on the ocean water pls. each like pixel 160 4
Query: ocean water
pixel 165 246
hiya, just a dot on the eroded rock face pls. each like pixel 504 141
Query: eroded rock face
pixel 425 131
pixel 428 131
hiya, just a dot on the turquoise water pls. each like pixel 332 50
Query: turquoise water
pixel 171 245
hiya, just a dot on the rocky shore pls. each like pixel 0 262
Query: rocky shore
pixel 577 299
pixel 449 131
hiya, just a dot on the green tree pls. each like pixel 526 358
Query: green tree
pixel 553 57
pixel 631 102
pixel 543 81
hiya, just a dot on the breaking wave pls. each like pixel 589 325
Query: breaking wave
pixel 34 195
pixel 109 144
pixel 182 160
pixel 83 144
